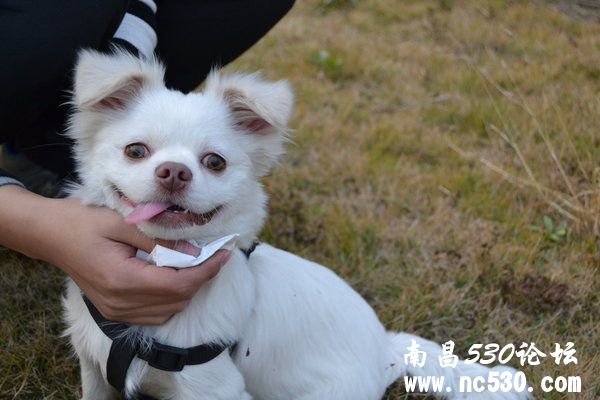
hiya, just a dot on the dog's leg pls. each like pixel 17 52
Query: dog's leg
pixel 401 343
pixel 93 385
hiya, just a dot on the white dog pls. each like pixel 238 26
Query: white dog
pixel 188 167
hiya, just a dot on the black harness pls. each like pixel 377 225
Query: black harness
pixel 157 355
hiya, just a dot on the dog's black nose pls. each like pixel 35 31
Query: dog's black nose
pixel 173 176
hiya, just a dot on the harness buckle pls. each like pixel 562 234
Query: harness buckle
pixel 167 358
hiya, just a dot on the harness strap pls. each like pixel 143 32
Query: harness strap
pixel 145 397
pixel 119 359
pixel 160 356
pixel 169 358
pixel 250 249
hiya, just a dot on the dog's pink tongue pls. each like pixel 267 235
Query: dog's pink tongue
pixel 144 211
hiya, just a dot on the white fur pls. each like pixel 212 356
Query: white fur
pixel 302 332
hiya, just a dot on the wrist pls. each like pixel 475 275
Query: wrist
pixel 24 221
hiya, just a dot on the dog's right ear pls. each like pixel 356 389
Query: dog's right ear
pixel 105 82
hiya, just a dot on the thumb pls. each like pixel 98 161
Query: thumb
pixel 131 235
pixel 193 277
pixel 208 269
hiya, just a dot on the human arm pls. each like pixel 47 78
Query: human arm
pixel 97 250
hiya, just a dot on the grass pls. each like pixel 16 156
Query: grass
pixel 445 164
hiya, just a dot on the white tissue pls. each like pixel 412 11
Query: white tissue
pixel 165 257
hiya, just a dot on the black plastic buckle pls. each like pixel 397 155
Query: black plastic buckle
pixel 167 358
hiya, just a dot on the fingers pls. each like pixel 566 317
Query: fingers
pixel 131 235
pixel 148 320
pixel 134 291
pixel 156 315
pixel 159 294
pixel 176 283
pixel 100 257
pixel 144 314
pixel 204 272
pixel 183 246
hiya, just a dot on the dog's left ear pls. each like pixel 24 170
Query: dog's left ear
pixel 260 110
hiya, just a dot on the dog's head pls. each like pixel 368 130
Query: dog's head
pixel 180 166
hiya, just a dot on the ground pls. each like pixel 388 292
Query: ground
pixel 445 163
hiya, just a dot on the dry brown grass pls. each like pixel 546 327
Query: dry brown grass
pixel 436 142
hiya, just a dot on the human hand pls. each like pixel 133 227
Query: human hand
pixel 97 250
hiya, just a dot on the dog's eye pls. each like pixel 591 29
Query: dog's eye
pixel 136 150
pixel 214 162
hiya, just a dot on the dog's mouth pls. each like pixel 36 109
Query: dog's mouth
pixel 164 213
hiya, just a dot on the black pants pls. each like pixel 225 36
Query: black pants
pixel 39 41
